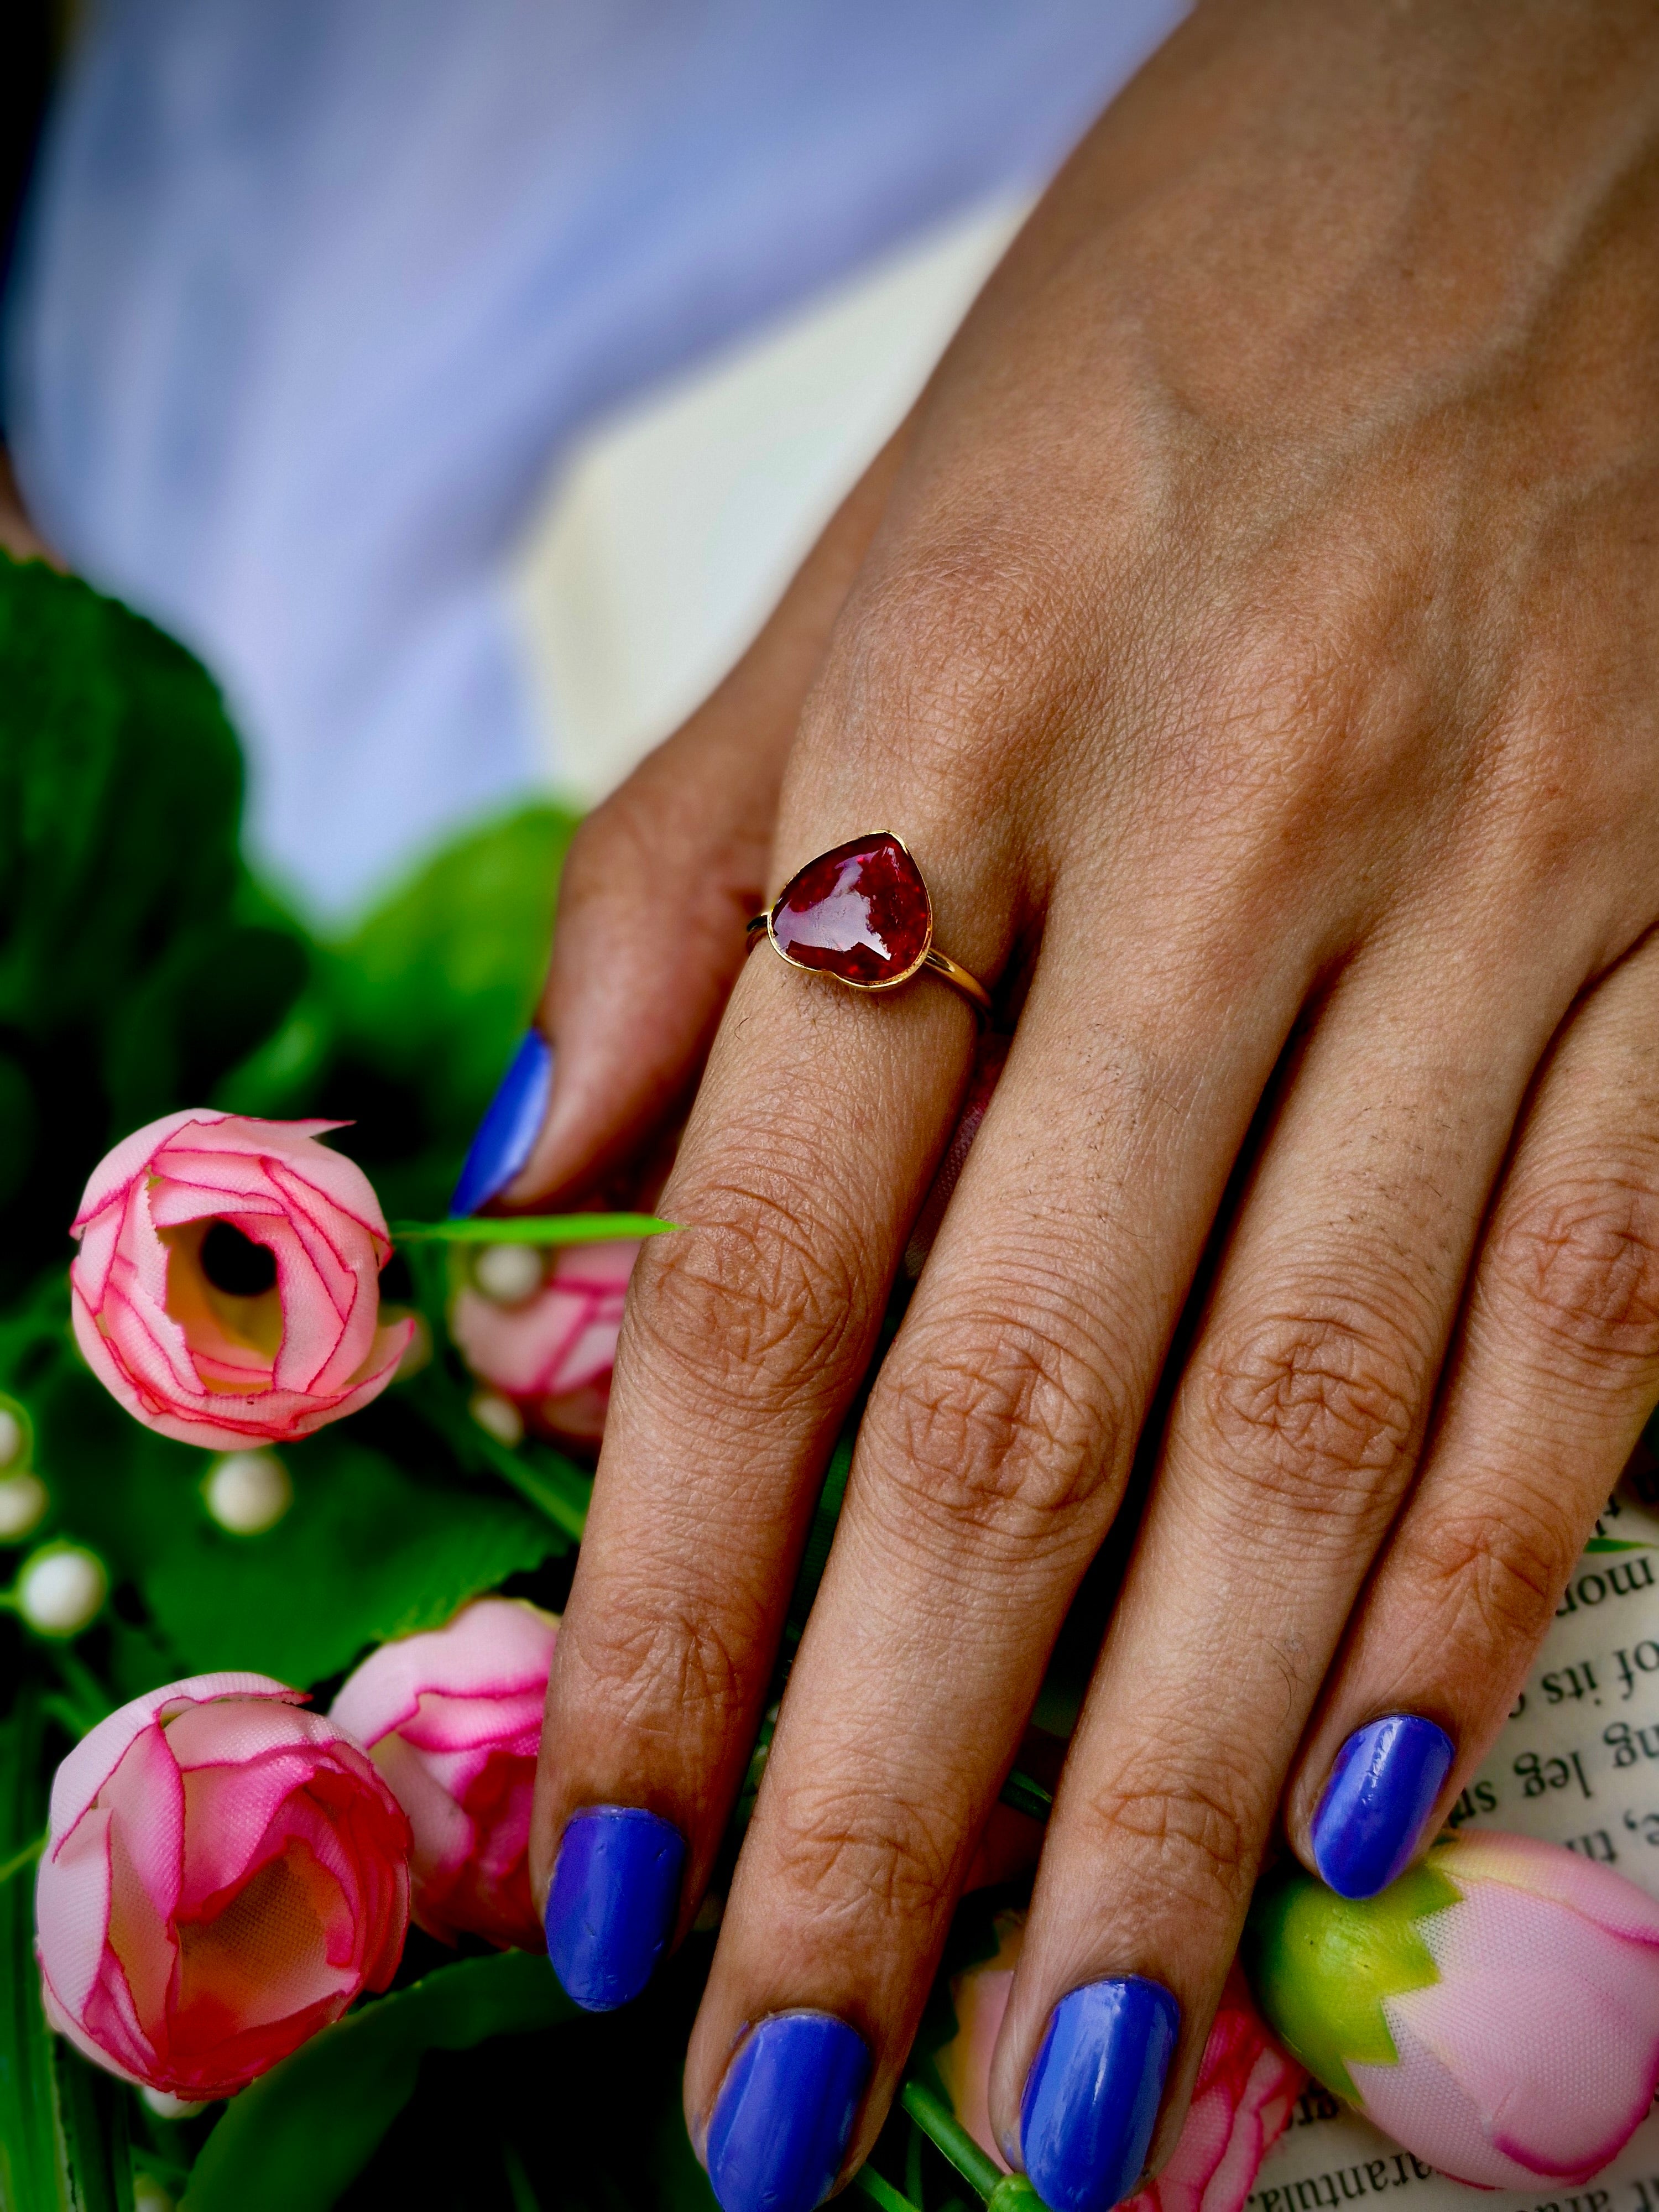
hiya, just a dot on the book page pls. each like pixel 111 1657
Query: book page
pixel 1577 1763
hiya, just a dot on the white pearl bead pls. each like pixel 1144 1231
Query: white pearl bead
pixel 60 1592
pixel 23 1500
pixel 508 1273
pixel 499 1416
pixel 248 1492
pixel 166 2106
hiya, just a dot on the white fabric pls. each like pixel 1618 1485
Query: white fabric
pixel 310 294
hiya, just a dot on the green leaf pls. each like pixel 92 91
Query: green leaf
pixel 92 2123
pixel 533 1228
pixel 368 1549
pixel 409 1023
pixel 365 1552
pixel 1321 1966
pixel 34 2177
pixel 136 963
pixel 295 2139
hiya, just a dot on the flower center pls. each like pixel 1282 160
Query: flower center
pixel 235 1264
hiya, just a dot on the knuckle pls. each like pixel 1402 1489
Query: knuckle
pixel 765 1294
pixel 846 1853
pixel 1196 1839
pixel 649 1657
pixel 1583 1257
pixel 1496 1567
pixel 1003 1430
pixel 964 641
pixel 1313 1412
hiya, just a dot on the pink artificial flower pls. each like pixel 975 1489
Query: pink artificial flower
pixel 239 1360
pixel 222 1875
pixel 1533 2052
pixel 453 1720
pixel 1245 2091
pixel 551 1351
pixel 1242 2103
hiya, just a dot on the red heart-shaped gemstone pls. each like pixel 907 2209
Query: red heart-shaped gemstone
pixel 861 913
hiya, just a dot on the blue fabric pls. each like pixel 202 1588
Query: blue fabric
pixel 309 296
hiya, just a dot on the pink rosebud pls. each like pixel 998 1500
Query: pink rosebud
pixel 453 1721
pixel 545 1335
pixel 1245 2090
pixel 1242 2103
pixel 1495 2010
pixel 226 1290
pixel 222 1875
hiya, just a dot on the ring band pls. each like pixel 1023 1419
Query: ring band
pixel 861 914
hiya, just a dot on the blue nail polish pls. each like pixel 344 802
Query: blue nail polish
pixel 1092 2094
pixel 1380 1793
pixel 779 2130
pixel 512 1122
pixel 611 1903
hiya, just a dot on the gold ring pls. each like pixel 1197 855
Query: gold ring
pixel 861 914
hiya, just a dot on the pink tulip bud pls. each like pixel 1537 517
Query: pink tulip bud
pixel 1495 2010
pixel 222 1875
pixel 227 1288
pixel 1245 2090
pixel 453 1721
pixel 548 1345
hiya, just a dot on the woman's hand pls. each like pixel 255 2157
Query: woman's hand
pixel 1257 640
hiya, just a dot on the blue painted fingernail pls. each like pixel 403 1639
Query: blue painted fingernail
pixel 512 1122
pixel 611 1903
pixel 1092 2094
pixel 1380 1795
pixel 779 2130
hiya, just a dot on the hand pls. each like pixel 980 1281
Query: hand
pixel 1254 637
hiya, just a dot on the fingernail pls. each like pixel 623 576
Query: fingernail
pixel 1380 1792
pixel 611 1903
pixel 779 2130
pixel 1092 2094
pixel 512 1122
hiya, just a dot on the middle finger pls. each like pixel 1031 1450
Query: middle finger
pixel 989 1465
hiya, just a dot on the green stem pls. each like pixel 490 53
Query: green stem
pixel 554 1484
pixel 946 2133
pixel 556 1498
pixel 19 1860
pixel 86 1692
pixel 885 2195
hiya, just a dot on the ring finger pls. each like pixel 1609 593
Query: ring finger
pixel 1291 1439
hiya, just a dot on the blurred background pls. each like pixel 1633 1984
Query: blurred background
pixel 461 381
pixel 666 537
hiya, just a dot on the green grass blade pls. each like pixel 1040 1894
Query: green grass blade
pixel 533 1228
